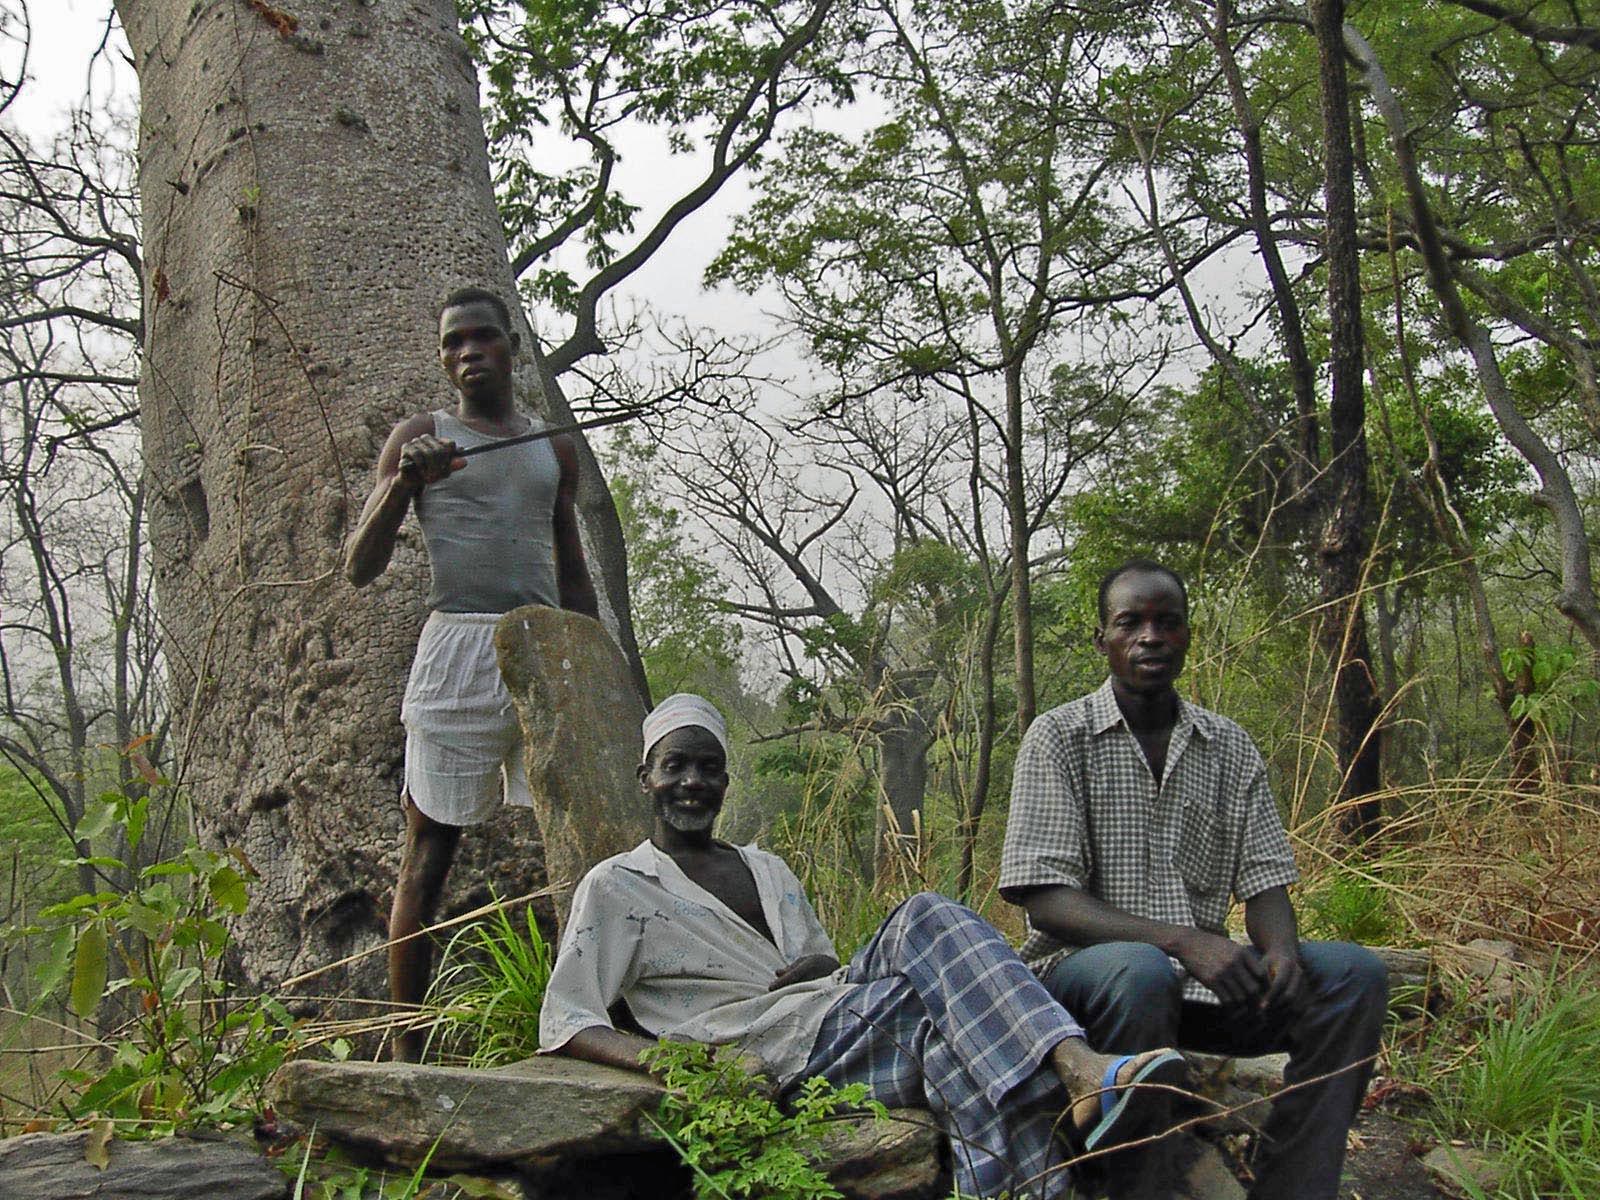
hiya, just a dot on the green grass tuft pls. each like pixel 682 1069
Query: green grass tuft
pixel 1528 1091
pixel 489 990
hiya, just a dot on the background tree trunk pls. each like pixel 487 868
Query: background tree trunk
pixel 1342 552
pixel 313 182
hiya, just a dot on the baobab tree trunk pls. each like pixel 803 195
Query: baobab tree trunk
pixel 314 179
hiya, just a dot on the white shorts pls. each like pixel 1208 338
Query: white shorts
pixel 463 743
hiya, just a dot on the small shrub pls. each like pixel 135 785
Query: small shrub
pixel 735 1137
pixel 1343 905
pixel 190 1052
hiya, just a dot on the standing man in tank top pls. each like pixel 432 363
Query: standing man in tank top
pixel 501 532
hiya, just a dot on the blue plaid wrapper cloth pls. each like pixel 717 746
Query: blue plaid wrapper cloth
pixel 945 1016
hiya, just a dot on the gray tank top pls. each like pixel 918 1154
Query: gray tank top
pixel 488 527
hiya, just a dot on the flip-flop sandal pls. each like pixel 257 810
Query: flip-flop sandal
pixel 1119 1113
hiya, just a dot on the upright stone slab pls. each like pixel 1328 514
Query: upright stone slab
pixel 580 715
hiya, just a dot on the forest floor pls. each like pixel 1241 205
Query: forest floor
pixel 1382 1162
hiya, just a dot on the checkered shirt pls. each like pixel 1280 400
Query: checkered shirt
pixel 1086 813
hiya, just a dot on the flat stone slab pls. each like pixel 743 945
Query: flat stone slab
pixel 523 1114
pixel 52 1166
pixel 547 1113
pixel 1463 1170
pixel 1262 1074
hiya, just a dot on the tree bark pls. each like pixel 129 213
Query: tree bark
pixel 1021 540
pixel 313 181
pixel 1342 552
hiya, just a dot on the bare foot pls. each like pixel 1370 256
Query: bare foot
pixel 1099 1116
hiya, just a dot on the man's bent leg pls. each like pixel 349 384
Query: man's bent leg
pixel 429 851
pixel 1332 1039
pixel 1129 998
pixel 993 1014
pixel 880 1034
pixel 1125 994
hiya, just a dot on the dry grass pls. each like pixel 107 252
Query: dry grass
pixel 1475 858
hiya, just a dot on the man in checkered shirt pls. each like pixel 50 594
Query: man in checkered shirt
pixel 1136 819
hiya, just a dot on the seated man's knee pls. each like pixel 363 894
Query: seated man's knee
pixel 1145 972
pixel 1349 986
pixel 925 904
pixel 1127 995
pixel 1137 974
pixel 1347 969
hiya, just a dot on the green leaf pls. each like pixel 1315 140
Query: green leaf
pixel 97 818
pixel 54 967
pixel 228 889
pixel 104 861
pixel 134 823
pixel 166 868
pixel 180 981
pixel 89 970
pixel 148 921
pixel 78 904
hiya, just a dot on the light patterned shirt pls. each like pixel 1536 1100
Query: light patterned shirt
pixel 1086 813
pixel 688 966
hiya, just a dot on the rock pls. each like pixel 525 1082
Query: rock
pixel 580 717
pixel 1262 1075
pixel 1464 1171
pixel 1233 1094
pixel 570 1127
pixel 1204 1173
pixel 1496 948
pixel 52 1166
pixel 1499 966
pixel 891 1159
pixel 521 1115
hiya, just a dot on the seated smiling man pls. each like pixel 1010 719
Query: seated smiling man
pixel 712 943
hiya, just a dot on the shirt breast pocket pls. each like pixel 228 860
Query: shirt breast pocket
pixel 1199 856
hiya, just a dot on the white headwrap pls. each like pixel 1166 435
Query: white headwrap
pixel 680 710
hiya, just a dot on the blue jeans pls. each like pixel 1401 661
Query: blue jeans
pixel 1129 998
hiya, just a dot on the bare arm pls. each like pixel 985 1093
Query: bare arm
pixel 1270 921
pixel 803 970
pixel 609 1047
pixel 573 584
pixel 1072 916
pixel 410 460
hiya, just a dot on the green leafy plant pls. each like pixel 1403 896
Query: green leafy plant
pixel 326 1174
pixel 489 989
pixel 147 953
pixel 1349 906
pixel 1558 687
pixel 733 1134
